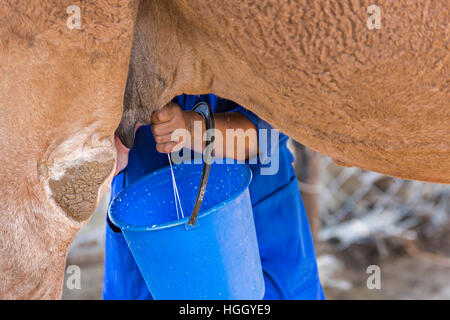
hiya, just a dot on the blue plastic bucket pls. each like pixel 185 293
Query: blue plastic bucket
pixel 218 258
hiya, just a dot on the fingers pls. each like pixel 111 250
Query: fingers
pixel 165 114
pixel 165 138
pixel 165 128
pixel 167 119
pixel 170 142
pixel 165 123
pixel 168 147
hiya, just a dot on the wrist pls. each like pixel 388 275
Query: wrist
pixel 192 117
pixel 192 126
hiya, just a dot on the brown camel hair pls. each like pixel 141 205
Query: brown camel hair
pixel 376 99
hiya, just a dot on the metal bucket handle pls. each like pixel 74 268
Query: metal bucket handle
pixel 206 112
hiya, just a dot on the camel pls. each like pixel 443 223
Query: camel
pixel 72 78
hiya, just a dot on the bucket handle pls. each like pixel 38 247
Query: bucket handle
pixel 206 112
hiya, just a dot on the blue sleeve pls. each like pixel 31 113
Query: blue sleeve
pixel 267 141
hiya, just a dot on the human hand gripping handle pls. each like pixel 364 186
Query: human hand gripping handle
pixel 164 122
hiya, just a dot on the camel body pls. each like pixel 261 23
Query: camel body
pixel 373 98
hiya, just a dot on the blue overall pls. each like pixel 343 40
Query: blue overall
pixel 284 237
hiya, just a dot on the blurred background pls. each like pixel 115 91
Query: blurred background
pixel 358 219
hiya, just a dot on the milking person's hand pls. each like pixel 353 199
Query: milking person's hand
pixel 172 126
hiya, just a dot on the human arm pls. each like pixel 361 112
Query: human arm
pixel 239 137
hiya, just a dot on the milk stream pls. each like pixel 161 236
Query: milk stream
pixel 176 195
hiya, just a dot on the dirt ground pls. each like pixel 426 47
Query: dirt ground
pixel 418 270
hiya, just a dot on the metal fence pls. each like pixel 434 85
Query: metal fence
pixel 356 204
